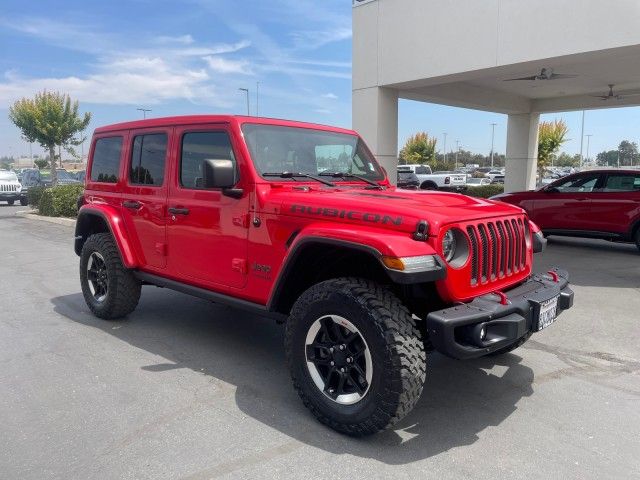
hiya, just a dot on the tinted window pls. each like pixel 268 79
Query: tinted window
pixel 198 147
pixel 147 159
pixel 422 170
pixel 622 183
pixel 106 160
pixel 583 183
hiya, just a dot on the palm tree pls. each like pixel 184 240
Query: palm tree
pixel 551 136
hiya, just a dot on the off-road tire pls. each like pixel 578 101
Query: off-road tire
pixel 395 344
pixel 513 346
pixel 123 288
pixel 24 202
pixel 10 202
pixel 428 185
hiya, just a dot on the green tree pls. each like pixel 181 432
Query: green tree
pixel 566 160
pixel 41 163
pixel 628 152
pixel 419 148
pixel 551 136
pixel 608 158
pixel 51 119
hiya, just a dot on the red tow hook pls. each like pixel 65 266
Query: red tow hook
pixel 503 298
pixel 554 276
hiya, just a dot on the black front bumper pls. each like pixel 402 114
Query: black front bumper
pixel 456 331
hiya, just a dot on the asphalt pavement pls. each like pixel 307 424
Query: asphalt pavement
pixel 187 389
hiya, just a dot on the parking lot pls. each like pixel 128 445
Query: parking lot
pixel 188 389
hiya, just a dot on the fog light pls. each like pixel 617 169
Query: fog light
pixel 483 333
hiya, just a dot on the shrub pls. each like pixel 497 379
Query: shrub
pixel 60 201
pixel 34 194
pixel 485 191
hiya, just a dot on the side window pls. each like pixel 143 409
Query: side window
pixel 583 183
pixel 422 170
pixel 148 158
pixel 198 147
pixel 106 160
pixel 622 183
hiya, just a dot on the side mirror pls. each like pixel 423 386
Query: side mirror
pixel 219 173
pixel 551 190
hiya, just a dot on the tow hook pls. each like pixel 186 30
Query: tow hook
pixel 503 298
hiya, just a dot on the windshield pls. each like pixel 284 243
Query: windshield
pixel 64 175
pixel 8 176
pixel 276 149
pixel 474 180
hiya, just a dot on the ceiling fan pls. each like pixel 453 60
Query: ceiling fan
pixel 545 74
pixel 611 95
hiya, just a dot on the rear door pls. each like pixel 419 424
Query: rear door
pixel 207 229
pixel 144 196
pixel 617 204
pixel 565 205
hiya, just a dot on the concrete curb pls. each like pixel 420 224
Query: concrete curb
pixel 67 222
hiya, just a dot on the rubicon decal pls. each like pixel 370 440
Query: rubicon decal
pixel 348 214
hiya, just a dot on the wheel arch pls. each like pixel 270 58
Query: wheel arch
pixel 428 184
pixel 103 219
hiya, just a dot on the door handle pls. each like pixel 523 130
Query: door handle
pixel 178 211
pixel 131 204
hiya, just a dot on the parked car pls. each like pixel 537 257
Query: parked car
pixel 80 175
pixel 596 204
pixel 478 182
pixel 367 277
pixel 436 181
pixel 408 181
pixel 10 188
pixel 496 176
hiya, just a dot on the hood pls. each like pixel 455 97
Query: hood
pixel 391 208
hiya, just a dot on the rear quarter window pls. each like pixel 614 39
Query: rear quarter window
pixel 105 166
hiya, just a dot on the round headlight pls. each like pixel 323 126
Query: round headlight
pixel 449 245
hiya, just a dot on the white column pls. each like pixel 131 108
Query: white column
pixel 375 118
pixel 522 152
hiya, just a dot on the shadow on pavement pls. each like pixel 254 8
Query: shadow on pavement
pixel 460 400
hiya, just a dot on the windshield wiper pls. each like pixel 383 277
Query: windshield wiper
pixel 299 174
pixel 351 175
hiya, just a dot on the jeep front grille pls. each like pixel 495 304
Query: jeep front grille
pixel 498 249
pixel 8 188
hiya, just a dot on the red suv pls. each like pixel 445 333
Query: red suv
pixel 299 223
pixel 596 204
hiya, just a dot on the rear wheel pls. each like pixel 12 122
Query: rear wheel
pixel 356 357
pixel 110 290
pixel 429 186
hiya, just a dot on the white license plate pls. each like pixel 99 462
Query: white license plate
pixel 548 313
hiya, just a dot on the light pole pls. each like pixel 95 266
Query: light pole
pixel 444 158
pixel 581 139
pixel 493 136
pixel 257 99
pixel 144 111
pixel 457 151
pixel 588 140
pixel 246 90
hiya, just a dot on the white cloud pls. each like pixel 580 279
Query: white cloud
pixel 181 39
pixel 222 65
pixel 312 39
pixel 330 96
pixel 324 111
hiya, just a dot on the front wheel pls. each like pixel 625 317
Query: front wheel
pixel 110 290
pixel 356 357
pixel 638 238
pixel 24 202
pixel 11 202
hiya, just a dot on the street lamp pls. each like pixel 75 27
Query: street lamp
pixel 493 135
pixel 257 99
pixel 582 138
pixel 457 151
pixel 246 91
pixel 588 139
pixel 444 159
pixel 144 111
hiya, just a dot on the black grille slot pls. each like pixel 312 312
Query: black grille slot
pixel 474 255
pixel 485 251
pixel 494 250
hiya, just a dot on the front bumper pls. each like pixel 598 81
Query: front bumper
pixel 455 331
pixel 10 195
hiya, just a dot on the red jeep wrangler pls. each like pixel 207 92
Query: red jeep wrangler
pixel 298 222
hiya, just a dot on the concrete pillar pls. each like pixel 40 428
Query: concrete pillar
pixel 375 118
pixel 522 152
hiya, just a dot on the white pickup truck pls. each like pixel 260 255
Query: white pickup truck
pixel 436 181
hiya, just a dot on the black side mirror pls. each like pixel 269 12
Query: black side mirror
pixel 219 173
pixel 551 190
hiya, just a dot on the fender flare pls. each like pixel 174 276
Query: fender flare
pixel 374 243
pixel 113 219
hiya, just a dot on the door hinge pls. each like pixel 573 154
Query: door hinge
pixel 239 265
pixel 241 220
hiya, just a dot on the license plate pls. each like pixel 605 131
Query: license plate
pixel 548 313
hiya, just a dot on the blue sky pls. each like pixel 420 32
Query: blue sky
pixel 181 57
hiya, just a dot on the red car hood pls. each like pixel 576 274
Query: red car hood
pixel 391 208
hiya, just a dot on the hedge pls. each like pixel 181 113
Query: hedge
pixel 34 194
pixel 60 201
pixel 485 191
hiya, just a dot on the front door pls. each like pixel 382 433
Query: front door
pixel 207 230
pixel 144 196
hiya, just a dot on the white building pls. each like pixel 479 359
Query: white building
pixel 464 52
